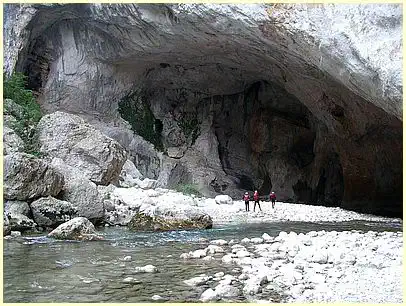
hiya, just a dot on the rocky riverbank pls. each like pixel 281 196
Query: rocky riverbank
pixel 348 266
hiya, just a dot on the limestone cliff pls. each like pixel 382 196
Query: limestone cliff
pixel 304 99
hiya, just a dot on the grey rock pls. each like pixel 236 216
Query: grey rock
pixel 226 291
pixel 129 174
pixel 13 109
pixel 85 198
pixel 146 269
pixel 176 152
pixel 197 281
pixel 27 177
pixel 79 145
pixel 51 212
pixel 223 199
pixel 78 228
pixel 208 295
pixel 11 141
pixel 18 216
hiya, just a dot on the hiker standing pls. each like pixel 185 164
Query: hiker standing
pixel 246 198
pixel 256 200
pixel 272 197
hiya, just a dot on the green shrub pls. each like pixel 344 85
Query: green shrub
pixel 14 88
pixel 190 128
pixel 138 113
pixel 188 189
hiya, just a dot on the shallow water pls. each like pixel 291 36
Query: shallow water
pixel 39 269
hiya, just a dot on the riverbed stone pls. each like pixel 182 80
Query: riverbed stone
pixel 212 249
pixel 195 220
pixel 226 290
pixel 266 237
pixel 78 228
pixel 208 295
pixel 197 281
pixel 227 258
pixel 257 240
pixel 243 253
pixel 146 269
pixel 198 253
pixel 219 242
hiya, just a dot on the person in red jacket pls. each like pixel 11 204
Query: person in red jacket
pixel 256 200
pixel 246 198
pixel 272 197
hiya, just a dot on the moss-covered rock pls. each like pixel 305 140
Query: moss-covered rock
pixel 143 222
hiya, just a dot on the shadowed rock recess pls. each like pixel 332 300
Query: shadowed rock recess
pixel 305 99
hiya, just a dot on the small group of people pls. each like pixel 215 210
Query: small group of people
pixel 246 198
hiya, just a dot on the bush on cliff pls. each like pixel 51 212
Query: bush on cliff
pixel 188 189
pixel 14 88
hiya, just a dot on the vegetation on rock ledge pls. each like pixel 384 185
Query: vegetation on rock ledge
pixel 138 113
pixel 188 189
pixel 25 109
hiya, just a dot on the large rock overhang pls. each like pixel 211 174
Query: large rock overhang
pixel 298 103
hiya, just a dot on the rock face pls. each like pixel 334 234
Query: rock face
pixel 80 145
pixel 232 97
pixel 27 177
pixel 78 228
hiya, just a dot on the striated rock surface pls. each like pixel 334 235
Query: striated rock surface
pixel 80 145
pixel 303 99
pixel 27 177
pixel 78 228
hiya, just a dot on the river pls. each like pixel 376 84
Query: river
pixel 39 269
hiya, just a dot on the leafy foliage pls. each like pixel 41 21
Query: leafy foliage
pixel 190 128
pixel 14 88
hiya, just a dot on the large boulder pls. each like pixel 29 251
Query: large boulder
pixel 51 212
pixel 85 197
pixel 18 216
pixel 27 177
pixel 78 228
pixel 164 218
pixel 11 141
pixel 82 146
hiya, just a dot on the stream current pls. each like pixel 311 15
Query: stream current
pixel 40 269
